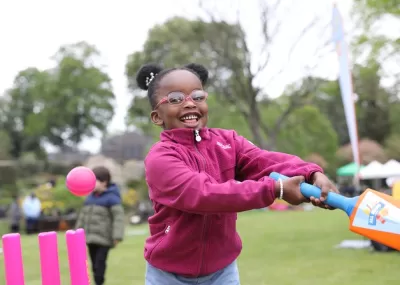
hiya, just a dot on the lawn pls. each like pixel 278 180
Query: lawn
pixel 295 248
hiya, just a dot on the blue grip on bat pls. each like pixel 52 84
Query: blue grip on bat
pixel 334 200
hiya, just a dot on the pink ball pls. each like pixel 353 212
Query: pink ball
pixel 81 181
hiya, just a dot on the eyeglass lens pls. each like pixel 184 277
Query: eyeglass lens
pixel 178 97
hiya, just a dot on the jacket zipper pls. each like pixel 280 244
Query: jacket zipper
pixel 203 253
pixel 197 136
pixel 198 139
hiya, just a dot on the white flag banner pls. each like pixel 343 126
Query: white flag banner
pixel 345 82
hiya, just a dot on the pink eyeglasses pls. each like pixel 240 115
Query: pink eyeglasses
pixel 177 98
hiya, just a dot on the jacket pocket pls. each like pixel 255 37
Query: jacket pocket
pixel 158 233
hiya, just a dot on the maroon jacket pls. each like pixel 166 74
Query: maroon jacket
pixel 198 187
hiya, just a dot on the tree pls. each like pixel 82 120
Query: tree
pixel 61 105
pixel 305 124
pixel 5 145
pixel 329 101
pixel 373 102
pixel 394 114
pixel 373 16
pixel 383 49
pixel 19 107
pixel 392 146
pixel 303 128
pixel 372 10
pixel 80 101
pixel 376 107
pixel 221 47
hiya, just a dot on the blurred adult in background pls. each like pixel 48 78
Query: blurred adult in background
pixel 15 214
pixel 31 208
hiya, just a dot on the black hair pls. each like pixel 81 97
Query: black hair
pixel 102 174
pixel 150 75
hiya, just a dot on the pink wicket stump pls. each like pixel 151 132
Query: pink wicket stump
pixel 77 257
pixel 13 264
pixel 49 264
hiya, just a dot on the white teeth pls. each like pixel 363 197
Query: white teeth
pixel 189 117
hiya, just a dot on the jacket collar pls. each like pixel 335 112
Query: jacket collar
pixel 184 136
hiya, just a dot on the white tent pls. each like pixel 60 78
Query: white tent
pixel 376 170
pixel 391 169
pixel 373 170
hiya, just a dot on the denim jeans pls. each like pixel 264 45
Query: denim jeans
pixel 226 276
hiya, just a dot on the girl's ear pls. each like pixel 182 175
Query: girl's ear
pixel 156 119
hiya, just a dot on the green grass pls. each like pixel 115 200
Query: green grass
pixel 278 248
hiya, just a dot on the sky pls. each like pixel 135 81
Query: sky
pixel 32 31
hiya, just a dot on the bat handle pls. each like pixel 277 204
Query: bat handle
pixel 334 200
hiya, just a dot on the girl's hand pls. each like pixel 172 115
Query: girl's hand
pixel 291 190
pixel 321 181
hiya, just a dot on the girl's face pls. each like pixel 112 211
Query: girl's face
pixel 190 113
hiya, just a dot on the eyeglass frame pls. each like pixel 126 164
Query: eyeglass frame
pixel 186 97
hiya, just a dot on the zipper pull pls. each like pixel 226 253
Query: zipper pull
pixel 197 136
pixel 167 229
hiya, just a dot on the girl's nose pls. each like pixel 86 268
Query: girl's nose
pixel 189 103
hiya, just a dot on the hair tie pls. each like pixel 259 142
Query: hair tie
pixel 149 79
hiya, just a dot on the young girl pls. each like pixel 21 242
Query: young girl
pixel 199 178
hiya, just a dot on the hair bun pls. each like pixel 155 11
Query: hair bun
pixel 146 74
pixel 200 70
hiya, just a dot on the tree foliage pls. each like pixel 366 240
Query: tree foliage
pixel 223 49
pixel 372 10
pixel 81 97
pixel 19 109
pixel 61 106
pixel 374 18
pixel 310 110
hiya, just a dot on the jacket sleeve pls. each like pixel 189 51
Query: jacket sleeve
pixel 118 228
pixel 254 163
pixel 172 183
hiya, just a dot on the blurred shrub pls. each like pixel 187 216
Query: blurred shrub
pixel 130 198
pixel 57 197
pixel 140 187
pixel 63 195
